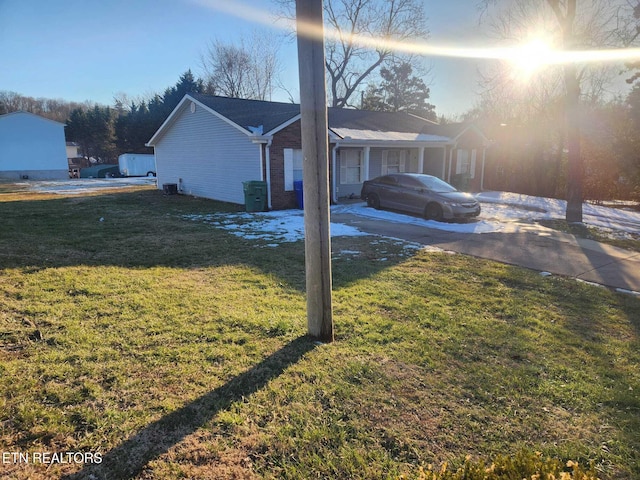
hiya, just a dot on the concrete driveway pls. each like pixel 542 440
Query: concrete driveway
pixel 547 251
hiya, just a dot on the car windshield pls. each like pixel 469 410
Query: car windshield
pixel 435 184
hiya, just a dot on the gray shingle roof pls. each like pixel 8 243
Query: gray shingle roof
pixel 270 115
pixel 250 113
pixel 377 121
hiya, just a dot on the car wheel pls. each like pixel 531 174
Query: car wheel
pixel 433 212
pixel 373 201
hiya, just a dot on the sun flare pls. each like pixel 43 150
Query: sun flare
pixel 531 57
pixel 528 58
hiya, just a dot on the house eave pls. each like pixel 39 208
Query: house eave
pixel 284 125
pixel 22 112
pixel 262 139
pixel 350 142
pixel 486 142
pixel 170 119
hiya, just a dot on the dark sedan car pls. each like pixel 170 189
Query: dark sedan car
pixel 422 194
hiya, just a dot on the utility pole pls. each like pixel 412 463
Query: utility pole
pixel 315 173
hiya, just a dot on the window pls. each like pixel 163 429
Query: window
pixel 297 165
pixel 466 162
pixel 394 161
pixel 351 167
pixel 409 182
pixel 292 167
pixel 389 180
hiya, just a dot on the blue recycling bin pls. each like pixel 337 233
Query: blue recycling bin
pixel 297 186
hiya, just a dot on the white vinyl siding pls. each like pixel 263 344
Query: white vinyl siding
pixel 394 161
pixel 32 146
pixel 211 157
pixel 292 167
pixel 351 167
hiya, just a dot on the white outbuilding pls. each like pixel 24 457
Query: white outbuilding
pixel 32 147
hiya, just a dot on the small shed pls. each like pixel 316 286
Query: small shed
pixel 32 147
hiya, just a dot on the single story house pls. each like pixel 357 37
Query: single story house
pixel 32 147
pixel 209 146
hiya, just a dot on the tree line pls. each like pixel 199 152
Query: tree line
pixel 558 132
pixel 378 79
pixel 103 132
pixel 54 109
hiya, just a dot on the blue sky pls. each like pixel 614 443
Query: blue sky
pixel 94 49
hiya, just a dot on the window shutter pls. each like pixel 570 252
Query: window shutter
pixel 288 169
pixel 343 167
pixel 385 162
pixel 462 163
pixel 472 169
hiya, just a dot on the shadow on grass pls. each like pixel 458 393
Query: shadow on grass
pixel 146 229
pixel 130 457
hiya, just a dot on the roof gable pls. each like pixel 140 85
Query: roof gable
pixel 250 114
pixel 456 131
pixel 21 113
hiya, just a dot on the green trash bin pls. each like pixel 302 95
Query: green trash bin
pixel 255 196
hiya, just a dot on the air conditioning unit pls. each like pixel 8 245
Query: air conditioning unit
pixel 170 188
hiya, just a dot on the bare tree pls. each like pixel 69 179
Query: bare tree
pixel 54 109
pixel 353 26
pixel 248 69
pixel 585 25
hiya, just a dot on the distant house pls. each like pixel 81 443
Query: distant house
pixel 73 150
pixel 32 147
pixel 209 145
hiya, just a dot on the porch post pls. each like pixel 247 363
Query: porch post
pixel 484 157
pixel 421 160
pixel 444 161
pixel 365 167
pixel 335 173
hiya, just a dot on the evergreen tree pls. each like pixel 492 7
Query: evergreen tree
pixel 94 131
pixel 137 124
pixel 400 90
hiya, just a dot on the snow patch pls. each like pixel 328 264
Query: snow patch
pixel 628 292
pixel 78 186
pixel 278 226
pixel 512 206
pixel 506 212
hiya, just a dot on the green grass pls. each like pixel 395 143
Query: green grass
pixel 177 350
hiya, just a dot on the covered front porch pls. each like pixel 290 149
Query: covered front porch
pixel 352 163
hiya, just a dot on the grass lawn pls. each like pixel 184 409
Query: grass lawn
pixel 629 241
pixel 169 349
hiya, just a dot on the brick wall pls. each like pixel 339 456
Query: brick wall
pixel 288 137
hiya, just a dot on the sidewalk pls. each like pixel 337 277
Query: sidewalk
pixel 555 252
